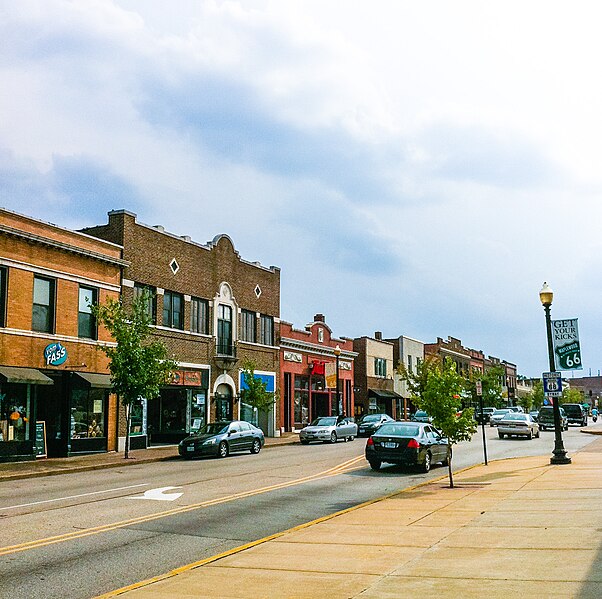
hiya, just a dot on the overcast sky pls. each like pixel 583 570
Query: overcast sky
pixel 415 168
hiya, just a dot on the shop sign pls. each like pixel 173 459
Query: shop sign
pixel 290 356
pixel 55 354
pixel 267 378
pixel 190 378
pixel 567 349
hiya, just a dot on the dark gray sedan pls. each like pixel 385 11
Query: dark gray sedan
pixel 222 438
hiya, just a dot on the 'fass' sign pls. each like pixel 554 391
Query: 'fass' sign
pixel 55 354
pixel 567 350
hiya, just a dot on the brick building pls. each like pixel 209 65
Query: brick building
pixel 213 310
pixel 453 349
pixel 410 353
pixel 307 356
pixel 54 382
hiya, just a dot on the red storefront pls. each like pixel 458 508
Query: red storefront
pixel 308 360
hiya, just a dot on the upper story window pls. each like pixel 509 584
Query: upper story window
pixel 148 293
pixel 42 318
pixel 267 330
pixel 380 367
pixel 248 326
pixel 224 330
pixel 86 323
pixel 409 363
pixel 199 316
pixel 172 310
pixel 3 295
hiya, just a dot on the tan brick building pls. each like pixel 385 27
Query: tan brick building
pixel 213 310
pixel 51 370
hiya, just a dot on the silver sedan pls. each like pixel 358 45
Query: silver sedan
pixel 329 429
pixel 520 425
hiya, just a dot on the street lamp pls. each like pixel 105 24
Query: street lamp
pixel 337 353
pixel 546 295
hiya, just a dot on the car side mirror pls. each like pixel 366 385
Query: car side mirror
pixel 232 431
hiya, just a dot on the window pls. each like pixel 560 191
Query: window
pixel 409 363
pixel 172 310
pixel 88 409
pixel 86 323
pixel 43 305
pixel 248 328
pixel 380 367
pixel 224 330
pixel 267 330
pixel 148 293
pixel 3 293
pixel 199 316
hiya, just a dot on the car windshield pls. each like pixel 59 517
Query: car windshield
pixel 324 421
pixel 421 413
pixel 399 430
pixel 501 412
pixel 371 418
pixel 214 428
pixel 572 409
pixel 515 416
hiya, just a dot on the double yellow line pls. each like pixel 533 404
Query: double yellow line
pixel 347 466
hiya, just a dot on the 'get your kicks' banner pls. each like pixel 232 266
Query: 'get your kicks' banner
pixel 567 350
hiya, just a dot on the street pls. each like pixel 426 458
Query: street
pixel 79 535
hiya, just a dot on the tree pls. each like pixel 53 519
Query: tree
pixel 537 394
pixel 491 381
pixel 436 388
pixel 526 401
pixel 138 367
pixel 255 394
pixel 571 395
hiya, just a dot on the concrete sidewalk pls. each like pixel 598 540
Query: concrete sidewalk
pixel 515 527
pixel 98 461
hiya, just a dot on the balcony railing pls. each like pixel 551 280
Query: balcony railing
pixel 225 350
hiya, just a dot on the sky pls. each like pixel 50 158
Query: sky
pixel 414 168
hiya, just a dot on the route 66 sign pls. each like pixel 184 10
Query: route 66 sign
pixel 552 384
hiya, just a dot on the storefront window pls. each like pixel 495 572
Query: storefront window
pixel 301 399
pixel 88 413
pixel 137 418
pixel 198 410
pixel 173 410
pixel 15 406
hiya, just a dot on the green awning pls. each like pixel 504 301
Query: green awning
pixel 98 381
pixel 383 394
pixel 15 374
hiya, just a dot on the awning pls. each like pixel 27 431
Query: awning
pixel 98 381
pixel 15 374
pixel 382 394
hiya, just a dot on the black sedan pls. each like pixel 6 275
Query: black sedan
pixel 370 423
pixel 408 444
pixel 222 438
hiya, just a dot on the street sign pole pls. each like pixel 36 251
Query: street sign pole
pixel 479 388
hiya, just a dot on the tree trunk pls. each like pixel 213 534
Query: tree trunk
pixel 449 466
pixel 128 413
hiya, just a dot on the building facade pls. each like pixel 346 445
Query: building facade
pixel 54 381
pixel 308 359
pixel 214 311
pixel 410 353
pixel 451 348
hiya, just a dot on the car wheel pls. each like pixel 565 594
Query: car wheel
pixel 500 435
pixel 256 447
pixel 426 467
pixel 445 462
pixel 333 437
pixel 351 438
pixel 584 422
pixel 537 434
pixel 530 435
pixel 222 450
pixel 304 442
pixel 543 428
pixel 375 465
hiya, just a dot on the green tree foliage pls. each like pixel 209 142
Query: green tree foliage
pixel 571 395
pixel 491 381
pixel 537 394
pixel 255 395
pixel 138 367
pixel 526 402
pixel 436 388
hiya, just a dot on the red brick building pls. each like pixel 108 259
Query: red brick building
pixel 213 310
pixel 308 359
pixel 54 382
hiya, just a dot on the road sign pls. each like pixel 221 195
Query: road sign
pixel 479 388
pixel 552 384
pixel 567 349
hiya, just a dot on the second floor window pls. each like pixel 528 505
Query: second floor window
pixel 86 323
pixel 148 293
pixel 380 367
pixel 267 330
pixel 43 305
pixel 172 310
pixel 224 330
pixel 3 294
pixel 199 316
pixel 248 326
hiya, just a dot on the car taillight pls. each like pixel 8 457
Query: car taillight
pixel 413 444
pixel 370 441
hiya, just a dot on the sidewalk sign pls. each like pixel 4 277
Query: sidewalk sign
pixel 41 451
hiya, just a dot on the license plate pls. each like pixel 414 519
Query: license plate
pixel 389 445
pixel 190 448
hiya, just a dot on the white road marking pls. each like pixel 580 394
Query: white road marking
pixel 14 507
pixel 159 494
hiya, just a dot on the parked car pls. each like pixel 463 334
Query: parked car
pixel 534 414
pixel 517 409
pixel 223 438
pixel 519 425
pixel 575 413
pixel 329 429
pixel 497 415
pixel 546 418
pixel 371 422
pixel 421 416
pixel 408 444
pixel 486 415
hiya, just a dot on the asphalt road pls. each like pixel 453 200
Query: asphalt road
pixel 80 535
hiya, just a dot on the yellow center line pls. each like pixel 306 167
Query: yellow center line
pixel 335 471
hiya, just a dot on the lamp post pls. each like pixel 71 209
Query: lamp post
pixel 337 353
pixel 546 295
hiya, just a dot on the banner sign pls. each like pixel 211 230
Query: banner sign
pixel 330 372
pixel 567 349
